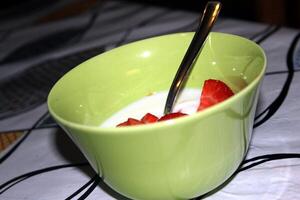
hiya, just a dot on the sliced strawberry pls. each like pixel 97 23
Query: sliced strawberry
pixel 213 92
pixel 123 124
pixel 149 118
pixel 171 116
pixel 130 122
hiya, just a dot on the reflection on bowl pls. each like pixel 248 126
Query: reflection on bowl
pixel 161 161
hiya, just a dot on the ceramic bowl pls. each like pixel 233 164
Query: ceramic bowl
pixel 180 160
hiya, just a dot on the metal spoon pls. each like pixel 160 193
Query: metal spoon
pixel 207 21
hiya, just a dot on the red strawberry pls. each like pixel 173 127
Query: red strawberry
pixel 213 92
pixel 149 118
pixel 123 124
pixel 130 122
pixel 171 116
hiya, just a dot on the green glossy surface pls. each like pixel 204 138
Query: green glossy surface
pixel 178 160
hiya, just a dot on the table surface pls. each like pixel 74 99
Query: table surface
pixel 40 162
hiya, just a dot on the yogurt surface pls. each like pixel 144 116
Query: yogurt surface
pixel 187 103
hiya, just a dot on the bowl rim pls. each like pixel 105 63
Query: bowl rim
pixel 178 121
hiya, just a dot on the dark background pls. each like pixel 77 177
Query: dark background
pixel 279 12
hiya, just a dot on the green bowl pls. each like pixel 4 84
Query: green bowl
pixel 179 160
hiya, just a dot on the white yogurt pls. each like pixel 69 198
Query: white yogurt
pixel 187 102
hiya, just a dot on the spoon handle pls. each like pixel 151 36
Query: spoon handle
pixel 207 21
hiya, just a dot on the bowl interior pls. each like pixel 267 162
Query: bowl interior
pixel 101 86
